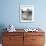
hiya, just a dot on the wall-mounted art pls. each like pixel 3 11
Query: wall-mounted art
pixel 26 13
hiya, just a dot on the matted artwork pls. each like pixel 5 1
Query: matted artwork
pixel 26 13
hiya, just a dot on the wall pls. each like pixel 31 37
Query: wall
pixel 10 13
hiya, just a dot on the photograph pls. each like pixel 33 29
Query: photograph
pixel 26 13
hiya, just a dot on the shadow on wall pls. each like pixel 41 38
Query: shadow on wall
pixel 2 26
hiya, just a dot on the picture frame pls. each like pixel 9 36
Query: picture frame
pixel 26 13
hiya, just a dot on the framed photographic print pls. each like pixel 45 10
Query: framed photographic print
pixel 26 13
